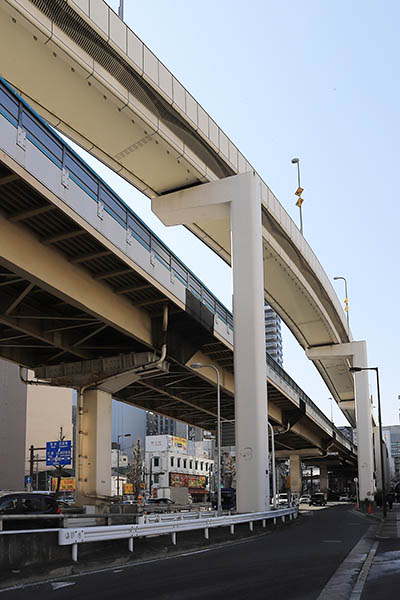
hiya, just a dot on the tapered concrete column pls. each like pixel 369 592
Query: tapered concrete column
pixel 296 480
pixel 252 482
pixel 237 200
pixel 94 460
pixel 323 478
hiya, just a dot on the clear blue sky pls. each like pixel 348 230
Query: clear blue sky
pixel 313 79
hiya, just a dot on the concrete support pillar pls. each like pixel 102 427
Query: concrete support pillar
pixel 296 481
pixel 364 426
pixel 323 478
pixel 94 447
pixel 252 479
pixel 237 200
pixel 357 352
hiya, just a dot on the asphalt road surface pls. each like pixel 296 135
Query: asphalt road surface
pixel 293 563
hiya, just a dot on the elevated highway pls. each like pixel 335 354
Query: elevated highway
pixel 90 76
pixel 155 135
pixel 83 286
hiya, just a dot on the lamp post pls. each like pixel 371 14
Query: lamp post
pixel 346 302
pixel 331 399
pixel 273 464
pixel 201 366
pixel 121 9
pixel 122 435
pixel 296 161
pixel 357 370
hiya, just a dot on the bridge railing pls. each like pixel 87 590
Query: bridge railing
pixel 36 130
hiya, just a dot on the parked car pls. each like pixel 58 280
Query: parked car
pixel 318 499
pixel 25 503
pixel 305 499
pixel 160 501
pixel 283 499
pixel 344 498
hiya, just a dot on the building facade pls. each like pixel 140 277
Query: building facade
pixel 273 334
pixel 176 468
pixel 391 435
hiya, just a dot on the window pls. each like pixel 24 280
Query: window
pixel 8 505
pixel 172 461
pixel 156 461
pixel 201 466
pixel 156 478
pixel 184 463
pixel 179 463
pixel 32 504
pixel 197 465
pixel 207 466
pixel 191 465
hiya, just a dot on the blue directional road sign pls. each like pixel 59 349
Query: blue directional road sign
pixel 58 453
pixel 28 480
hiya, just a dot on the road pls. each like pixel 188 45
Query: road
pixel 293 563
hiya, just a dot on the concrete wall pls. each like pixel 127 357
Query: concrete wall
pixel 12 427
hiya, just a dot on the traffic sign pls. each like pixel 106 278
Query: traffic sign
pixel 28 480
pixel 58 453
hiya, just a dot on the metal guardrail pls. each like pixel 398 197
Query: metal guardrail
pixel 74 537
pixel 65 518
pixel 180 516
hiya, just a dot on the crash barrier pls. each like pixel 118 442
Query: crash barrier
pixel 74 537
pixel 69 520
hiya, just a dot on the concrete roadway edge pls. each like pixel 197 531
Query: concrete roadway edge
pixel 348 581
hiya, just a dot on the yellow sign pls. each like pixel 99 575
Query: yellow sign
pixel 127 488
pixel 179 442
pixel 67 484
pixel 299 202
pixel 299 191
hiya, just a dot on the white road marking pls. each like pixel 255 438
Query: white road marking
pixel 61 584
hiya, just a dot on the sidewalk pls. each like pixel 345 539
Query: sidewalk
pixel 380 576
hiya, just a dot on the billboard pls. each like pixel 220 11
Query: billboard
pixel 178 444
pixel 127 488
pixel 189 481
pixel 67 484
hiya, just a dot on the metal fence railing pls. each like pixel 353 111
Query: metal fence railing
pixel 74 537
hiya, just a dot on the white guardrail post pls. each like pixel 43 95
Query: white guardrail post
pixel 165 525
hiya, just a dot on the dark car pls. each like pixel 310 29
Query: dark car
pixel 318 499
pixel 29 504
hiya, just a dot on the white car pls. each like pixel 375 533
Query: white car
pixel 283 499
pixel 305 499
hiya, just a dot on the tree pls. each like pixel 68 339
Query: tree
pixel 135 472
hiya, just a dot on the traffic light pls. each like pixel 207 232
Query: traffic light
pixel 299 202
pixel 346 304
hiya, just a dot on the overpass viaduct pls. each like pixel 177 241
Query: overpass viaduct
pixel 154 133
pixel 78 306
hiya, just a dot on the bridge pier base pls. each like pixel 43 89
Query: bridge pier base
pixel 296 480
pixel 93 443
pixel 323 478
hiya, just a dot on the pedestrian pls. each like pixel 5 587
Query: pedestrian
pixel 390 498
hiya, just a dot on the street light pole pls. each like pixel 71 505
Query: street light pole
pixel 118 456
pixel 346 302
pixel 296 161
pixel 357 370
pixel 121 9
pixel 273 464
pixel 201 366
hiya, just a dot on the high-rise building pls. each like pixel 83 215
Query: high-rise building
pixel 391 435
pixel 128 419
pixel 160 425
pixel 273 334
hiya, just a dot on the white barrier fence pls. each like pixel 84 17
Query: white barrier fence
pixel 82 535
